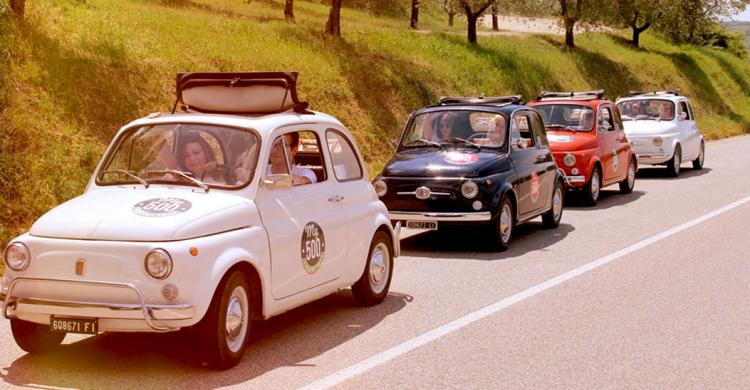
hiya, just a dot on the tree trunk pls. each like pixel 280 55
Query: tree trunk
pixel 18 7
pixel 333 26
pixel 569 25
pixel 495 26
pixel 450 19
pixel 289 10
pixel 414 14
pixel 471 19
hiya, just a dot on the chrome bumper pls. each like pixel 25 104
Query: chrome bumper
pixel 433 216
pixel 397 241
pixel 575 179
pixel 136 311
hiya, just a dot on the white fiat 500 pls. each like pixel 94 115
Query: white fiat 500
pixel 661 127
pixel 242 208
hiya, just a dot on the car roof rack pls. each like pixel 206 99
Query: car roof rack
pixel 239 93
pixel 481 100
pixel 674 92
pixel 585 95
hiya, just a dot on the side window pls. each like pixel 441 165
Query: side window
pixel 606 119
pixel 298 153
pixel 537 126
pixel 346 165
pixel 618 119
pixel 520 130
pixel 690 110
pixel 684 108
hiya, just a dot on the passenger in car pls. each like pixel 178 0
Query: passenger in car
pixel 445 126
pixel 277 164
pixel 665 111
pixel 197 157
pixel 497 134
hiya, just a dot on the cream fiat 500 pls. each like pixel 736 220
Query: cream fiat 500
pixel 243 207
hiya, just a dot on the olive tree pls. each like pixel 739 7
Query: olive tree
pixel 414 14
pixel 289 10
pixel 18 7
pixel 333 25
pixel 451 7
pixel 473 10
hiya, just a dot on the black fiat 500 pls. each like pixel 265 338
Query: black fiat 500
pixel 475 161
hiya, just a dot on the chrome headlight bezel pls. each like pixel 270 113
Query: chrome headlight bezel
pixel 569 160
pixel 469 189
pixel 15 248
pixel 658 141
pixel 158 264
pixel 381 188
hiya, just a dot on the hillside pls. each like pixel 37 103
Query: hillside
pixel 742 28
pixel 78 70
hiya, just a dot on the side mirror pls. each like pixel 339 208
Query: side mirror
pixel 605 127
pixel 277 182
pixel 683 116
pixel 521 143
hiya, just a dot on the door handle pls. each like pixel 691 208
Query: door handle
pixel 541 158
pixel 336 198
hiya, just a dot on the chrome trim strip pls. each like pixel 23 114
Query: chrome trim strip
pixel 575 179
pixel 397 243
pixel 431 193
pixel 438 216
pixel 148 310
pixel 109 310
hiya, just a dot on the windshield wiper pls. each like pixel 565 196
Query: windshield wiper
pixel 424 142
pixel 131 174
pixel 182 174
pixel 463 141
pixel 558 126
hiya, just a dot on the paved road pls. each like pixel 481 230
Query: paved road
pixel 663 303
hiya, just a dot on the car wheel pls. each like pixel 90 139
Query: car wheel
pixel 225 328
pixel 627 184
pixel 551 219
pixel 502 228
pixel 33 337
pixel 673 165
pixel 698 162
pixel 373 285
pixel 593 187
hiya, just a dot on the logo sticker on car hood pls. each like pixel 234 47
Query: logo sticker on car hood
pixel 460 158
pixel 162 207
pixel 560 138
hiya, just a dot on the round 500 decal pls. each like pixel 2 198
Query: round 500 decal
pixel 458 158
pixel 162 207
pixel 313 247
pixel 534 187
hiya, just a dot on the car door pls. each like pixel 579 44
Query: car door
pixel 545 162
pixel 692 142
pixel 622 144
pixel 524 153
pixel 304 227
pixel 608 145
pixel 353 193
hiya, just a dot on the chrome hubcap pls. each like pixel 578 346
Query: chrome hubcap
pixel 236 319
pixel 595 185
pixel 379 268
pixel 702 156
pixel 631 175
pixel 677 161
pixel 557 203
pixel 505 223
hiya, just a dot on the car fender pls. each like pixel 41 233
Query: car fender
pixel 505 189
pixel 382 220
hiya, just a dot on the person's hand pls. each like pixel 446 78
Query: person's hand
pixel 210 166
pixel 300 180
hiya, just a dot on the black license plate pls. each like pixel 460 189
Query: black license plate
pixel 429 225
pixel 74 325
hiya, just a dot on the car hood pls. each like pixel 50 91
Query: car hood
pixel 446 163
pixel 154 214
pixel 568 141
pixel 648 127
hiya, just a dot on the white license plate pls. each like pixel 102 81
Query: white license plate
pixel 429 225
pixel 74 325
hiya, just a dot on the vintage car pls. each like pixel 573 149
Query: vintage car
pixel 661 127
pixel 586 136
pixel 476 162
pixel 243 207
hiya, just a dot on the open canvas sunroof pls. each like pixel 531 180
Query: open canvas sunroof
pixel 248 93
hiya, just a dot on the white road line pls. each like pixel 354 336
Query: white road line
pixel 387 355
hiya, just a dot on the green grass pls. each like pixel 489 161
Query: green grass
pixel 77 70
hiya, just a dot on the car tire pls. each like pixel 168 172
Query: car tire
pixel 593 188
pixel 551 219
pixel 628 183
pixel 35 338
pixel 504 225
pixel 372 287
pixel 673 165
pixel 221 346
pixel 698 162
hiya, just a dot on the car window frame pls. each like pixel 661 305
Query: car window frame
pixel 524 112
pixel 357 157
pixel 600 119
pixel 285 130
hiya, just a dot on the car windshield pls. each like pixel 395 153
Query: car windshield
pixel 184 153
pixel 457 128
pixel 654 109
pixel 567 116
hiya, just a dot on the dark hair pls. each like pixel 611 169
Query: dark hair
pixel 193 138
pixel 294 139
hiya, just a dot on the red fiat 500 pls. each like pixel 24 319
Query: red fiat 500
pixel 586 137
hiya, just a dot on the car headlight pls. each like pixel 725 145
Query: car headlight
pixel 658 141
pixel 380 187
pixel 17 256
pixel 469 189
pixel 158 263
pixel 569 160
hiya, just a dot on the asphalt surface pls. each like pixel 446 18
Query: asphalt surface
pixel 632 307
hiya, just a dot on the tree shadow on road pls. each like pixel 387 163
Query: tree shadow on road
pixel 171 360
pixel 661 173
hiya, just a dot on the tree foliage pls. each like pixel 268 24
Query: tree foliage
pixel 473 10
